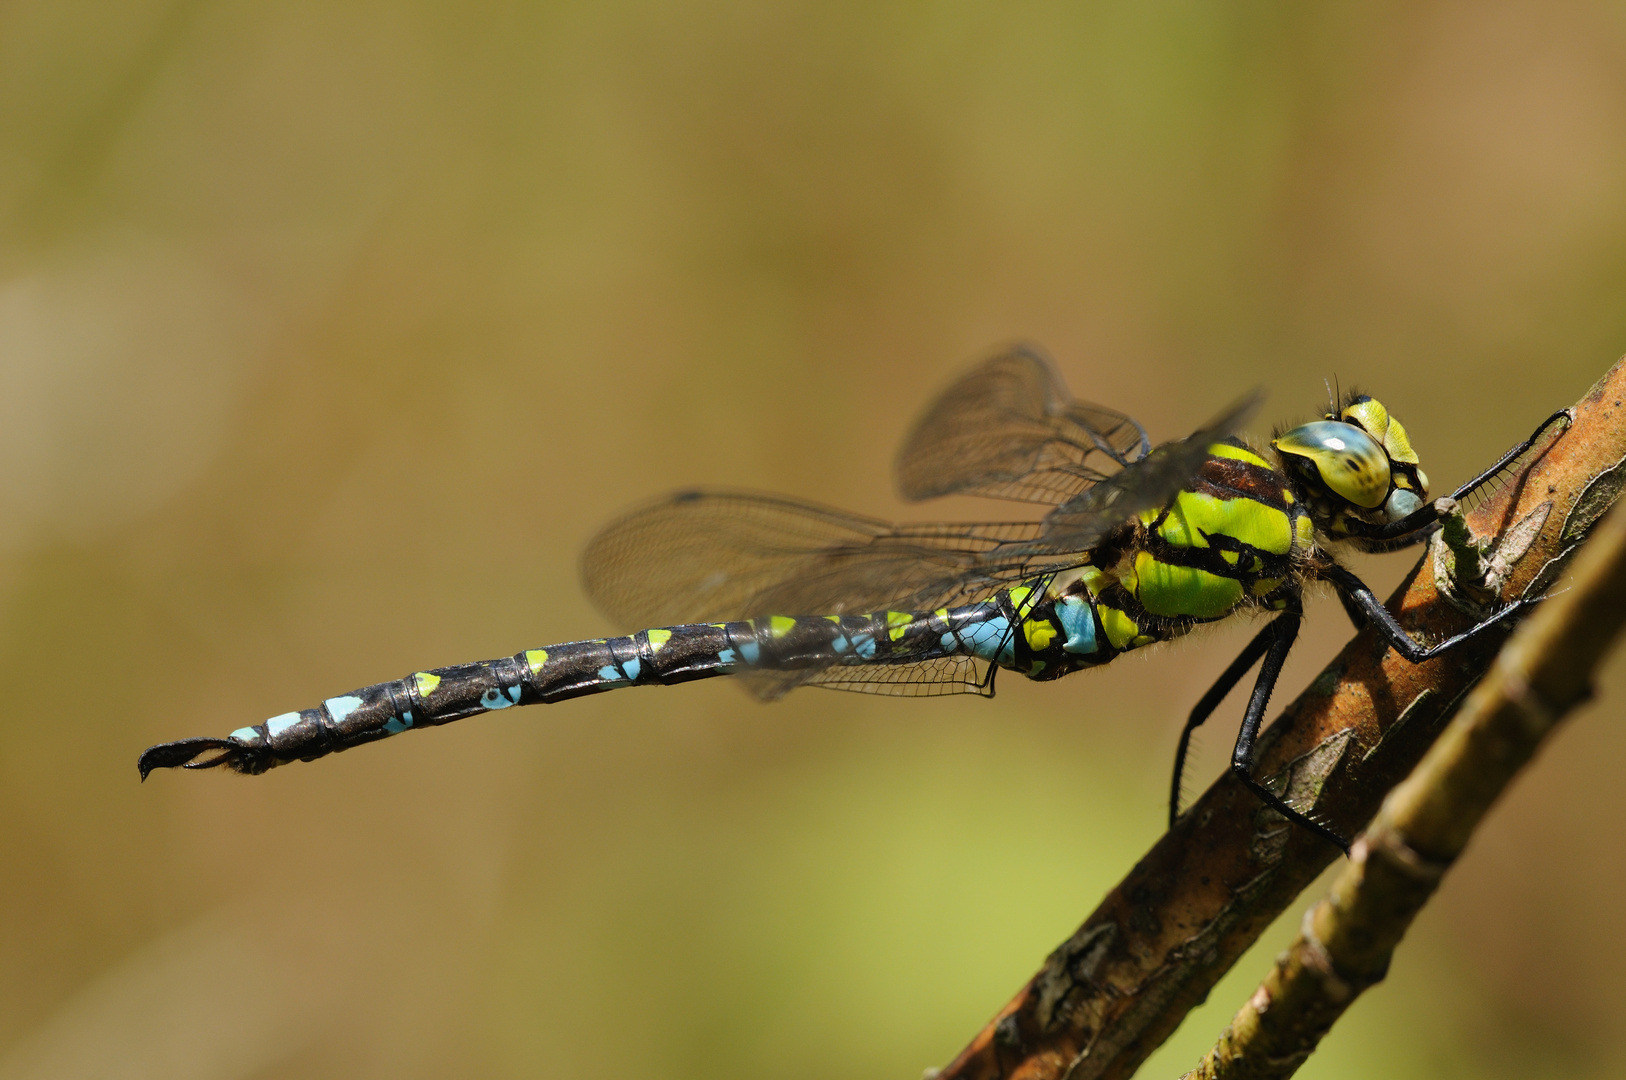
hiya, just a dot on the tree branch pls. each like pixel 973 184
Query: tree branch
pixel 1156 945
pixel 1344 948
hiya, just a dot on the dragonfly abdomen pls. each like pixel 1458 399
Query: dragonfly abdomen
pixel 442 695
pixel 1026 628
pixel 659 656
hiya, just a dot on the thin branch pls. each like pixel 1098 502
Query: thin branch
pixel 1110 994
pixel 1344 948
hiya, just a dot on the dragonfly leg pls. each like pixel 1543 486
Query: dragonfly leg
pixel 1284 631
pixel 1512 455
pixel 1410 539
pixel 1398 534
pixel 1227 681
pixel 1359 598
pixel 1357 617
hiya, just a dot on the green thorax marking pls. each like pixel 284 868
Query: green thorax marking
pixel 1227 539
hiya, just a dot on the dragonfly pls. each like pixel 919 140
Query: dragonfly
pixel 1139 546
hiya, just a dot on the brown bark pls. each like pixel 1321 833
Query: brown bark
pixel 1156 945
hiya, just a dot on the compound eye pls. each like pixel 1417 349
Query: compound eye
pixel 1351 463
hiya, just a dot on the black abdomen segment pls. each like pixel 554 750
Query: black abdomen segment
pixel 574 669
pixel 442 695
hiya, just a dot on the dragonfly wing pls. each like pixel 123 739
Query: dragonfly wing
pixel 704 556
pixel 1083 522
pixel 1009 429
pixel 937 677
pixel 713 556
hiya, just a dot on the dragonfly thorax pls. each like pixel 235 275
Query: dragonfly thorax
pixel 1234 537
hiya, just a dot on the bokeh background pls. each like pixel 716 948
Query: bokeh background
pixel 330 332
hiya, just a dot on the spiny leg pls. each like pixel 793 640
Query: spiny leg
pixel 1416 526
pixel 1359 598
pixel 1227 681
pixel 1284 631
pixel 1357 617
pixel 1512 455
pixel 1410 539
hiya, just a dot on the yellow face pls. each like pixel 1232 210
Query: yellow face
pixel 1410 482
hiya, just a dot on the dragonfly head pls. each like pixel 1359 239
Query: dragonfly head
pixel 1356 464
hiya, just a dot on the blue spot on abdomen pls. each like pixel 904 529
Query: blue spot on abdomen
pixel 279 724
pixel 340 708
pixel 985 639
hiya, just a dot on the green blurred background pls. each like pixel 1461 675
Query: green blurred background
pixel 330 332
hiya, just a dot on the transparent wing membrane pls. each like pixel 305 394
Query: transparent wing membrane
pixel 1008 429
pixel 937 677
pixel 1084 520
pixel 711 556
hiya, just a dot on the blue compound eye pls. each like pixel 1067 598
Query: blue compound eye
pixel 1351 463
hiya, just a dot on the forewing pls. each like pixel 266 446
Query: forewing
pixel 1008 429
pixel 715 556
pixel 1084 521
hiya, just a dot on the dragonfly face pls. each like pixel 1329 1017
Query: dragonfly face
pixel 1356 469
